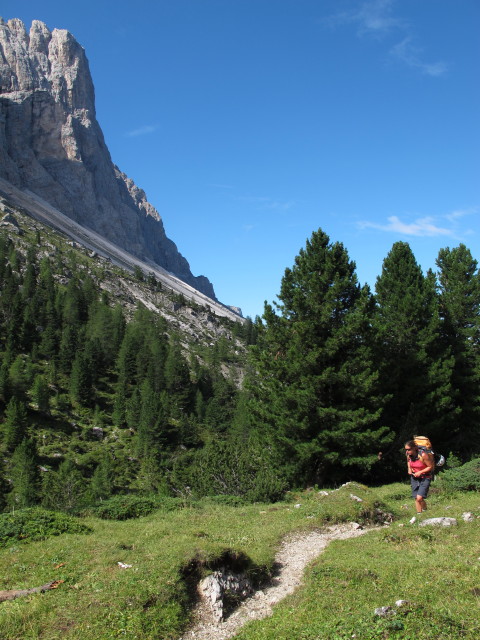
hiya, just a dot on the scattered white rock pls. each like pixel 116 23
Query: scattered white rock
pixel 214 587
pixel 401 603
pixel 323 493
pixel 439 522
pixel 413 520
pixel 356 498
pixel 9 219
pixel 122 565
pixel 384 611
pixel 468 516
pixel 297 506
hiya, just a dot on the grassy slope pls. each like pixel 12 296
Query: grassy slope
pixel 98 600
pixel 436 570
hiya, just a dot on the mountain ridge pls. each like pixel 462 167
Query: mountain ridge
pixel 52 146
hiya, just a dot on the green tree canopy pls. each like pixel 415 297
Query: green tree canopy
pixel 314 388
pixel 415 368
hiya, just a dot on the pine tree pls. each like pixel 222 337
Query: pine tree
pixel 81 380
pixel 18 378
pixel 4 487
pixel 120 404
pixel 313 387
pixel 155 435
pixel 177 380
pixel 65 489
pixel 101 485
pixel 68 348
pixel 459 290
pixel 15 426
pixel 147 437
pixel 29 284
pixel 41 394
pixel 221 406
pixel 49 337
pixel 14 323
pixel 133 408
pixel 24 475
pixel 415 369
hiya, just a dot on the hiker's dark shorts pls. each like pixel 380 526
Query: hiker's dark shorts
pixel 420 486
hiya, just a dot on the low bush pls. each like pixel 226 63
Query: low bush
pixel 464 478
pixel 231 501
pixel 132 506
pixel 37 524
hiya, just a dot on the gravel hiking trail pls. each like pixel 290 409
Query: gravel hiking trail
pixel 296 552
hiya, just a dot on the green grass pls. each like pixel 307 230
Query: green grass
pixel 99 600
pixel 436 570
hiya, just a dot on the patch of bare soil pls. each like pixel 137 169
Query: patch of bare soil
pixel 296 552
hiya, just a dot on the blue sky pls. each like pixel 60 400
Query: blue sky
pixel 252 123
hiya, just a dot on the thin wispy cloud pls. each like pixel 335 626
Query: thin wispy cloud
pixel 265 202
pixel 460 213
pixel 406 52
pixel 419 227
pixel 376 18
pixel 141 131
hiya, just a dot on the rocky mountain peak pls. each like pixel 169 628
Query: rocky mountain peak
pixel 52 145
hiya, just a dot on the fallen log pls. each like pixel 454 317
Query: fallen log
pixel 18 593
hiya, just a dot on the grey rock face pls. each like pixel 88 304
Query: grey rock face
pixel 52 145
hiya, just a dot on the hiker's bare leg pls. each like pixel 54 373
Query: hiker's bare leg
pixel 418 504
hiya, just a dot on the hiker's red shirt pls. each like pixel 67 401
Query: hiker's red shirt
pixel 418 465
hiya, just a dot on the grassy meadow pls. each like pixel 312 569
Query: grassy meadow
pixel 436 570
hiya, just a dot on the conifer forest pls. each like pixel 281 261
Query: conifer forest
pixel 98 400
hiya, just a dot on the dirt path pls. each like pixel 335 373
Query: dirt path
pixel 294 555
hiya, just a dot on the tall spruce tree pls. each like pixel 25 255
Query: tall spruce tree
pixel 177 380
pixel 24 475
pixel 415 368
pixel 41 394
pixel 4 487
pixel 459 290
pixel 81 380
pixel 65 489
pixel 15 426
pixel 102 482
pixel 314 389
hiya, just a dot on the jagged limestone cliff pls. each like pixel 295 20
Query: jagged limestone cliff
pixel 51 144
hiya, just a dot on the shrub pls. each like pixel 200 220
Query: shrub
pixel 37 524
pixel 132 506
pixel 248 470
pixel 464 478
pixel 225 500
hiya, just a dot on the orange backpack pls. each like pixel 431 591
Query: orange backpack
pixel 425 446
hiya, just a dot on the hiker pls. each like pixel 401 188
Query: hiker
pixel 420 467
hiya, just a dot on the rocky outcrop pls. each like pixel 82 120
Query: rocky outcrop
pixel 51 144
